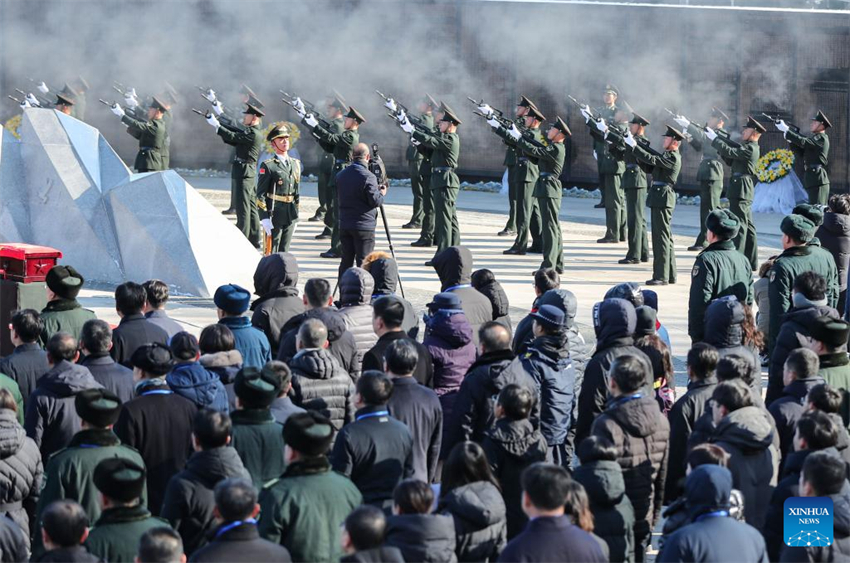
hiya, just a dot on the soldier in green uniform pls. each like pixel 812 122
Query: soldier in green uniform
pixel 444 181
pixel 426 235
pixel 611 163
pixel 710 171
pixel 335 111
pixel 741 190
pixel 414 165
pixel 661 199
pixel 151 135
pixel 169 98
pixel 248 142
pixel 719 270
pixel 833 288
pixel 606 112
pixel 80 86
pixel 510 162
pixel 277 191
pixel 815 156
pixel 343 145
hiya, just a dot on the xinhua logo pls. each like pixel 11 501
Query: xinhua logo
pixel 808 522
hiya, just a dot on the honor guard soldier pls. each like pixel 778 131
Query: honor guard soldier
pixel 710 171
pixel 815 156
pixel 335 110
pixel 65 103
pixel 612 164
pixel 606 112
pixel 80 86
pixel 741 190
pixel 151 135
pixel 277 191
pixel 248 142
pixel 444 181
pixel 415 161
pixel 426 234
pixel 169 98
pixel 510 163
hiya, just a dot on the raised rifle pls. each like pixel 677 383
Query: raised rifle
pixel 498 115
pixel 310 107
pixel 774 119
pixel 594 114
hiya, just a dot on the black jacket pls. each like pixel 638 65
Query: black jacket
pixel 359 198
pixel 840 549
pixel 419 408
pixel 724 330
pixel 25 365
pixel 385 273
pixel 376 453
pixel 553 539
pixel 320 384
pixel 77 554
pixel 240 544
pixel 189 498
pixel 494 293
pixel 511 446
pixel 377 555
pixel 787 410
pixel 425 538
pixel 834 236
pixel 13 542
pixel 613 515
pixel 454 267
pixel 374 358
pixel 480 522
pixel 111 375
pixel 275 281
pixel 132 332
pixel 341 343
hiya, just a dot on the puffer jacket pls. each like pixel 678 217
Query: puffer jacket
pixel 194 382
pixel 613 515
pixel 639 432
pixel 275 281
pixel 320 384
pixel 424 538
pixel 834 235
pixel 225 365
pixel 840 548
pixel 384 271
pixel 21 471
pixel 341 342
pixel 497 297
pixel 355 308
pixel 480 520
pixel 723 330
pixel 454 267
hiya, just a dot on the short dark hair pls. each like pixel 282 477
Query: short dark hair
pixel 413 497
pixel 629 373
pixel 546 485
pixel 812 285
pixel 216 338
pixel 282 371
pixel 702 360
pixel 211 428
pixel 401 357
pixel 733 395
pixel 160 545
pixel 156 292
pixel 825 473
pixel 61 346
pixel 184 346
pixel 7 400
pixel 825 398
pixel 735 366
pixel 494 337
pixel 597 448
pixel 707 454
pixel 318 292
pixel 375 387
pixel 546 279
pixel 96 336
pixel 65 522
pixel 130 298
pixel 803 362
pixel 235 498
pixel 483 277
pixel 516 401
pixel 27 324
pixel 390 310
pixel 818 430
pixel 313 333
pixel 840 204
pixel 366 526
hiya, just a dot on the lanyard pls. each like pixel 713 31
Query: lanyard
pixel 88 446
pixel 454 287
pixel 372 414
pixel 628 398
pixel 717 514
pixel 158 392
pixel 236 524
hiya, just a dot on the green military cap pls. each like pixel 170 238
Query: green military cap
pixel 64 99
pixel 822 118
pixel 443 107
pixel 832 332
pixel 813 213
pixel 611 89
pixel 254 111
pixel 67 89
pixel 156 103
pixel 674 133
pixel 119 479
pixel 638 119
pixel 562 127
pixel 277 131
pixel 355 115
pixel 256 388
pixel 98 407
pixel 247 91
pixel 753 124
pixel 255 102
pixel 524 102
pixel 309 433
pixel 449 115
pixel 723 223
pixel 798 228
pixel 535 113
pixel 718 113
pixel 430 101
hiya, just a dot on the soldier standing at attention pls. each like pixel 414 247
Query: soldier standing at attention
pixel 710 171
pixel 414 165
pixel 335 109
pixel 815 156
pixel 277 191
pixel 742 187
pixel 606 112
pixel 151 135
pixel 612 164
pixel 426 235
pixel 169 98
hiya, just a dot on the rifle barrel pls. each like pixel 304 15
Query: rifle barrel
pixel 199 112
pixel 104 102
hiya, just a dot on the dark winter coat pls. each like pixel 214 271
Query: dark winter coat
pixel 787 410
pixel 225 365
pixel 377 555
pixel 189 498
pixel 115 536
pixel 613 515
pixel 747 435
pixel 64 315
pixel 134 331
pixel 113 376
pixel 448 338
pixel 275 281
pixel 843 445
pixel 158 423
pixel 51 417
pixel 258 439
pixel 251 342
pixel 161 319
pixel 77 554
pixel 385 273
pixel 25 365
pixel 355 308
pixel 834 236
pixel 374 358
pixel 419 408
pixel 454 267
pixel 724 331
pixel 553 538
pixel 480 521
pixel 494 293
pixel 13 542
pixel 359 198
pixel 320 384
pixel 341 343
pixel 241 544
pixel 425 538
pixel 282 408
pixel 194 382
pixel 21 471
pixel 840 549
pixel 511 446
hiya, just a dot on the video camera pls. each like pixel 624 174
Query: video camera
pixel 376 166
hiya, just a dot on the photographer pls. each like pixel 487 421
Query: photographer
pixel 360 196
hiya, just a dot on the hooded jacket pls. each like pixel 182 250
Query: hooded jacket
pixel 724 331
pixel 21 470
pixel 448 338
pixel 613 515
pixel 355 308
pixel 275 281
pixel 320 384
pixel 480 521
pixel 454 267
pixel 341 344
pixel 834 236
pixel 250 341
pixel 225 365
pixel 194 382
pixel 426 538
pixel 497 297
pixel 384 272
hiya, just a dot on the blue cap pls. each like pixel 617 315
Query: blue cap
pixel 445 301
pixel 550 316
pixel 232 299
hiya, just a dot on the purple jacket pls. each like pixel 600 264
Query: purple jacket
pixel 448 337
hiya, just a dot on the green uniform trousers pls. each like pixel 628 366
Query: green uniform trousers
pixel 709 200
pixel 446 227
pixel 636 223
pixel 602 187
pixel 553 244
pixel 746 241
pixel 282 227
pixel 247 214
pixel 615 211
pixel 663 253
pixel 527 217
pixel 427 232
pixel 513 220
pixel 333 209
pixel 326 166
pixel 418 188
pixel 818 194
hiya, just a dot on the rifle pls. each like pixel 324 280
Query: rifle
pixel 498 115
pixel 694 123
pixel 776 118
pixel 14 99
pixel 310 107
pixel 594 114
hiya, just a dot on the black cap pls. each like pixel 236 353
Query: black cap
pixel 154 358
pixel 430 101
pixel 253 110
pixel 279 130
pixel 674 134
pixel 64 99
pixel 64 281
pixel 98 407
pixel 156 103
pixel 254 101
pixel 550 316
pixel 638 119
pixel 525 102
pixel 798 228
pixel 822 118
pixel 813 213
pixel 309 433
pixel 753 124
pixel 355 115
pixel 832 332
pixel 119 479
pixel 450 115
pixel 256 388
pixel 718 113
pixel 645 325
pixel 535 113
pixel 246 90
pixel 723 223
pixel 561 126
pixel 611 88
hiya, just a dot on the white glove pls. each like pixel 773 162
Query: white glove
pixel 595 157
pixel 298 105
pixel 782 126
pixel 586 115
pixel 601 126
pixel 390 104
pixel 629 139
pixel 710 134
pixel 211 119
pixel 486 110
pixel 42 87
pixel 584 108
pixel 492 122
pixel 32 101
pixel 311 120
pixel 117 110
pixel 217 107
pixel 131 101
pixel 400 116
pixel 25 104
pixel 414 142
pixel 209 95
pixel 514 132
pixel 132 93
pixel 267 225
pixel 406 126
pixel 683 123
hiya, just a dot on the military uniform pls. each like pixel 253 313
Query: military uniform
pixel 325 177
pixel 414 166
pixel 606 113
pixel 709 176
pixel 151 135
pixel 426 234
pixel 815 160
pixel 249 144
pixel 278 196
pixel 634 187
pixel 167 120
pixel 611 166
